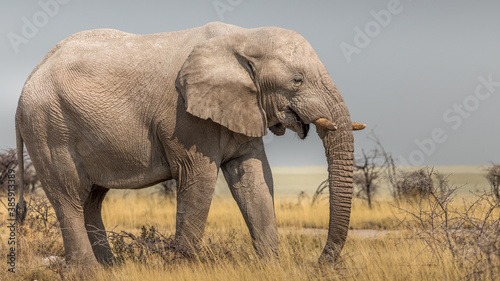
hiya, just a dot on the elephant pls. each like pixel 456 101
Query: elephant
pixel 106 109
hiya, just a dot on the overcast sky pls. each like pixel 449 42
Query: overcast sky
pixel 425 75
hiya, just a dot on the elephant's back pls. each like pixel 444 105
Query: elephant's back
pixel 114 75
pixel 114 53
pixel 54 72
pixel 79 37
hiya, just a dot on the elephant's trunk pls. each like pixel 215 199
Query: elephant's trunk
pixel 339 147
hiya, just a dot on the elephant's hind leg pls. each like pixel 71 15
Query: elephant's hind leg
pixel 67 197
pixel 95 227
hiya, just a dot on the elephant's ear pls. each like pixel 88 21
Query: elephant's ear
pixel 216 83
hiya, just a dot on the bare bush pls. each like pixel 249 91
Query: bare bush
pixel 40 232
pixel 367 171
pixel 493 176
pixel 470 233
pixel 392 173
pixel 8 161
pixel 405 184
pixel 127 246
pixel 415 184
pixel 152 243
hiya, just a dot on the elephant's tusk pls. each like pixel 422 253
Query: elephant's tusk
pixel 358 126
pixel 326 125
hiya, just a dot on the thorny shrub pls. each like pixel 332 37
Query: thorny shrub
pixel 40 233
pixel 416 184
pixel 469 232
pixel 40 247
pixel 152 243
pixel 493 177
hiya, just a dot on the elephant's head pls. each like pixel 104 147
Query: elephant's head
pixel 272 78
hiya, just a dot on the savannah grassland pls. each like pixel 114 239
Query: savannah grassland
pixel 384 243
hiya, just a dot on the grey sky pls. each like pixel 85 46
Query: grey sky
pixel 413 79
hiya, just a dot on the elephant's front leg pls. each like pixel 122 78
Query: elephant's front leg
pixel 250 180
pixel 193 203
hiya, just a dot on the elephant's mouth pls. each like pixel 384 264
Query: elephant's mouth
pixel 294 122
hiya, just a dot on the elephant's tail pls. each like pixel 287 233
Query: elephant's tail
pixel 21 206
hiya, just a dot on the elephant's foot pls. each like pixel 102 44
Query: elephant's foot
pixel 186 248
pixel 73 269
pixel 268 248
pixel 106 258
pixel 76 260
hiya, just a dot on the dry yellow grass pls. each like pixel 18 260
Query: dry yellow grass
pixel 390 253
pixel 392 256
pixel 138 210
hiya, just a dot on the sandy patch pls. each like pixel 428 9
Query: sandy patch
pixel 361 233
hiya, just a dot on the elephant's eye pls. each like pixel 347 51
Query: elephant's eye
pixel 297 82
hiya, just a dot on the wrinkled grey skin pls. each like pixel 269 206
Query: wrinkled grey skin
pixel 107 109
